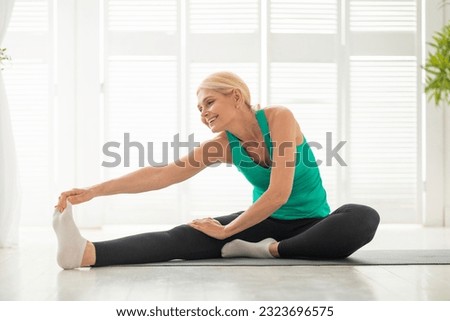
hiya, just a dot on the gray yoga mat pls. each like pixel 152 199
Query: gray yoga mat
pixel 372 257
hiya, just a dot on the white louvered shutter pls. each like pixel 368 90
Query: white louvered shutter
pixel 303 16
pixel 383 108
pixel 141 99
pixel 29 87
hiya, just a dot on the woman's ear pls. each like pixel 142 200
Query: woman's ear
pixel 237 95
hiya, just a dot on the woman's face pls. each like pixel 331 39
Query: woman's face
pixel 216 109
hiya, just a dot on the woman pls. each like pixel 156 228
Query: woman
pixel 289 218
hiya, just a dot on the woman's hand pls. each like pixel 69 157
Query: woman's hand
pixel 74 196
pixel 210 227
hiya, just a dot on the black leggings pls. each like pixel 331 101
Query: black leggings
pixel 336 236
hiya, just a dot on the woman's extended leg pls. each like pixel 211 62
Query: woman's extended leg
pixel 181 242
pixel 338 235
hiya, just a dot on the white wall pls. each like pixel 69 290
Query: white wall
pixel 447 145
pixel 437 150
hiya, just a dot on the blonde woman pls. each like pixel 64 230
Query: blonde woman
pixel 289 217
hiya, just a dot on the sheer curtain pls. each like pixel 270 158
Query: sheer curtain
pixel 9 184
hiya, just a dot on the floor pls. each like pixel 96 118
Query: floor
pixel 29 272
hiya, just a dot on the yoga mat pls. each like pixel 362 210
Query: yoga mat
pixel 372 257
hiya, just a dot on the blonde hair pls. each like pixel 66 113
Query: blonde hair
pixel 224 82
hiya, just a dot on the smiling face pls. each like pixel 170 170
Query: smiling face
pixel 216 109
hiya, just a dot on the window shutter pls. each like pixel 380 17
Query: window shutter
pixel 383 111
pixel 383 134
pixel 30 17
pixel 303 16
pixel 142 15
pixel 385 15
pixel 223 16
pixel 141 89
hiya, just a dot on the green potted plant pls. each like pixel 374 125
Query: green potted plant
pixel 437 66
pixel 3 57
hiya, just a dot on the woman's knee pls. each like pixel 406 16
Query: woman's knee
pixel 371 216
pixel 363 221
pixel 184 232
pixel 364 214
pixel 369 220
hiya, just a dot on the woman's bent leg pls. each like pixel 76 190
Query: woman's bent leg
pixel 337 236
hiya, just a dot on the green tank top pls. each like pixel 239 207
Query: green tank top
pixel 308 198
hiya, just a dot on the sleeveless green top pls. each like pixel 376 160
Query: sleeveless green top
pixel 308 198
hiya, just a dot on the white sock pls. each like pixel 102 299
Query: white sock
pixel 240 248
pixel 71 244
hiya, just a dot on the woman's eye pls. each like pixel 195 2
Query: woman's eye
pixel 209 103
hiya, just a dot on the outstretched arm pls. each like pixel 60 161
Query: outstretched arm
pixel 150 178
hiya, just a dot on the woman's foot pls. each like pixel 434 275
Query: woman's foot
pixel 239 248
pixel 71 245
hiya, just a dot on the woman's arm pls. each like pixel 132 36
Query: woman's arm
pixel 153 178
pixel 283 133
